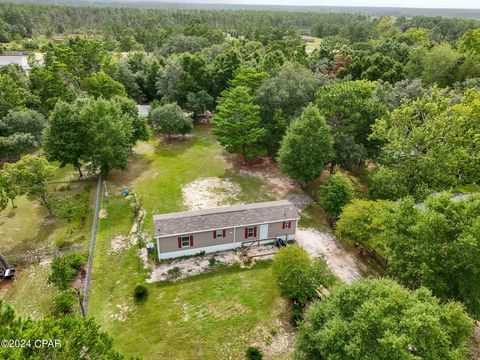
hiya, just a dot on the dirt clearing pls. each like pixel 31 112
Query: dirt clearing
pixel 346 265
pixel 267 170
pixel 210 192
pixel 183 268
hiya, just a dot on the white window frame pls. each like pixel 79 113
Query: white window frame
pixel 253 232
pixel 218 234
pixel 182 238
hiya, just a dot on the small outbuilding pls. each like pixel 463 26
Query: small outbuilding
pixel 225 228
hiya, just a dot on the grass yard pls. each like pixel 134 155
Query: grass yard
pixel 27 229
pixel 30 294
pixel 216 315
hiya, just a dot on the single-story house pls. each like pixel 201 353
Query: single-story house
pixel 190 232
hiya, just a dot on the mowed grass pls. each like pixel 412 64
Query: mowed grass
pixel 30 294
pixel 216 315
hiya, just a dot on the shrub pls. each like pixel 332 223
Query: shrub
pixel 336 193
pixel 296 315
pixel 71 208
pixel 64 303
pixel 64 268
pixel 170 119
pixel 212 261
pixel 298 276
pixel 140 292
pixel 254 353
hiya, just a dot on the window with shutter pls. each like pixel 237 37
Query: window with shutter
pixel 185 241
pixel 250 232
pixel 289 224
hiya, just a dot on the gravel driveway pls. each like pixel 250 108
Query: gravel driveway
pixel 346 265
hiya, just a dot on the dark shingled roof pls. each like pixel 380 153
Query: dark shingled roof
pixel 186 222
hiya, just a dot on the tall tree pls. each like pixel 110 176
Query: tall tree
pixel 67 136
pixel 376 319
pixel 307 146
pixel 288 91
pixel 351 107
pixel 336 193
pixel 20 132
pixel 78 337
pixel 237 122
pixel 31 175
pixel 101 84
pixel 437 247
pixel 429 146
pixel 110 135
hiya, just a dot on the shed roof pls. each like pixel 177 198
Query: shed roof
pixel 186 222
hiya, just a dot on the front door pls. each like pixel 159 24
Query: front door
pixel 263 231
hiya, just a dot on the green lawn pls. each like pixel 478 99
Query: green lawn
pixel 30 294
pixel 210 316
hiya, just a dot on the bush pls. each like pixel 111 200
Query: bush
pixel 140 292
pixel 335 194
pixel 64 268
pixel 298 276
pixel 170 119
pixel 64 303
pixel 254 353
pixel 296 315
pixel 72 208
pixel 212 261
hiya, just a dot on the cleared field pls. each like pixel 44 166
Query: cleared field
pixel 216 315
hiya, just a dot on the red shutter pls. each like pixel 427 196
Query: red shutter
pixel 283 225
pixel 289 224
pixel 246 233
pixel 179 242
pixel 255 231
pixel 214 234
pixel 191 240
pixel 223 233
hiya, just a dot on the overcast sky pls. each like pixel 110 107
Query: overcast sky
pixel 459 4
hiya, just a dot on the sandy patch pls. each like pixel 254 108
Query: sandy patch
pixel 143 148
pixel 210 192
pixel 348 267
pixel 121 314
pixel 120 242
pixel 199 264
pixel 102 214
pixel 267 170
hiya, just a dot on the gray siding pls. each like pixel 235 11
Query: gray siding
pixel 205 239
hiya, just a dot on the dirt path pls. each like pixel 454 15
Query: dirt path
pixel 344 263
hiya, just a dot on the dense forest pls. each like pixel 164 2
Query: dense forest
pixel 394 100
